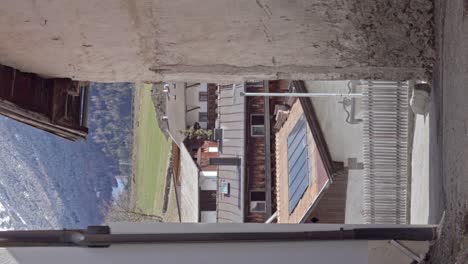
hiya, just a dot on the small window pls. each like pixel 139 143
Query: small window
pixel 203 117
pixel 257 202
pixel 258 207
pixel 218 134
pixel 225 188
pixel 258 131
pixel 213 149
pixel 258 120
pixel 257 196
pixel 257 125
pixel 203 96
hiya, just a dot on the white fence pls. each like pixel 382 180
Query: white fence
pixel 385 137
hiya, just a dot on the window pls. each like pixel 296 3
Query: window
pixel 257 202
pixel 203 117
pixel 218 134
pixel 225 188
pixel 257 196
pixel 203 96
pixel 213 149
pixel 207 200
pixel 257 125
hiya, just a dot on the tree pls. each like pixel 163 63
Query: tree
pixel 125 214
pixel 197 133
pixel 121 211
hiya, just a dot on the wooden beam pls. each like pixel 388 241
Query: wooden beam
pixel 84 120
pixel 39 121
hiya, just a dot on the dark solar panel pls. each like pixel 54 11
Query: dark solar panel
pixel 298 162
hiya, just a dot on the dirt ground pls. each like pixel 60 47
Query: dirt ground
pixel 449 136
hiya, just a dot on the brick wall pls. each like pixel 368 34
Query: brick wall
pixel 212 105
pixel 203 156
pixel 255 154
pixel 255 148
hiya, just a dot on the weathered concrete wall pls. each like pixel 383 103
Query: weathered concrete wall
pixel 150 40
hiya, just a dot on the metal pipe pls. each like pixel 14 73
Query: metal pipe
pixel 272 218
pixel 411 233
pixel 41 238
pixel 301 94
pixel 97 236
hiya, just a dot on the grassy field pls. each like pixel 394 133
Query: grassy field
pixel 151 155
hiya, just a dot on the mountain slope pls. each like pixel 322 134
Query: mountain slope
pixel 49 182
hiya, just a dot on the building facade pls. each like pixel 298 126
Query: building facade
pixel 240 160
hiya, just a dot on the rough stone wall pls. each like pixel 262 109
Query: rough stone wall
pixel 398 32
pixel 320 39
pixel 152 40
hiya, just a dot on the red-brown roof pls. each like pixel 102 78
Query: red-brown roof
pixel 319 177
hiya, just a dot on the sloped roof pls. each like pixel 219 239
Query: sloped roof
pixel 231 118
pixel 319 177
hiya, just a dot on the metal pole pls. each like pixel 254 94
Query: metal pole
pixel 400 233
pixel 101 236
pixel 302 94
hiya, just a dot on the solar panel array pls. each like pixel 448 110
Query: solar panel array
pixel 298 163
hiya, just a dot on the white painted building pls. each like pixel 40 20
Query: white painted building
pixel 343 135
pixel 196 104
pixel 186 104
